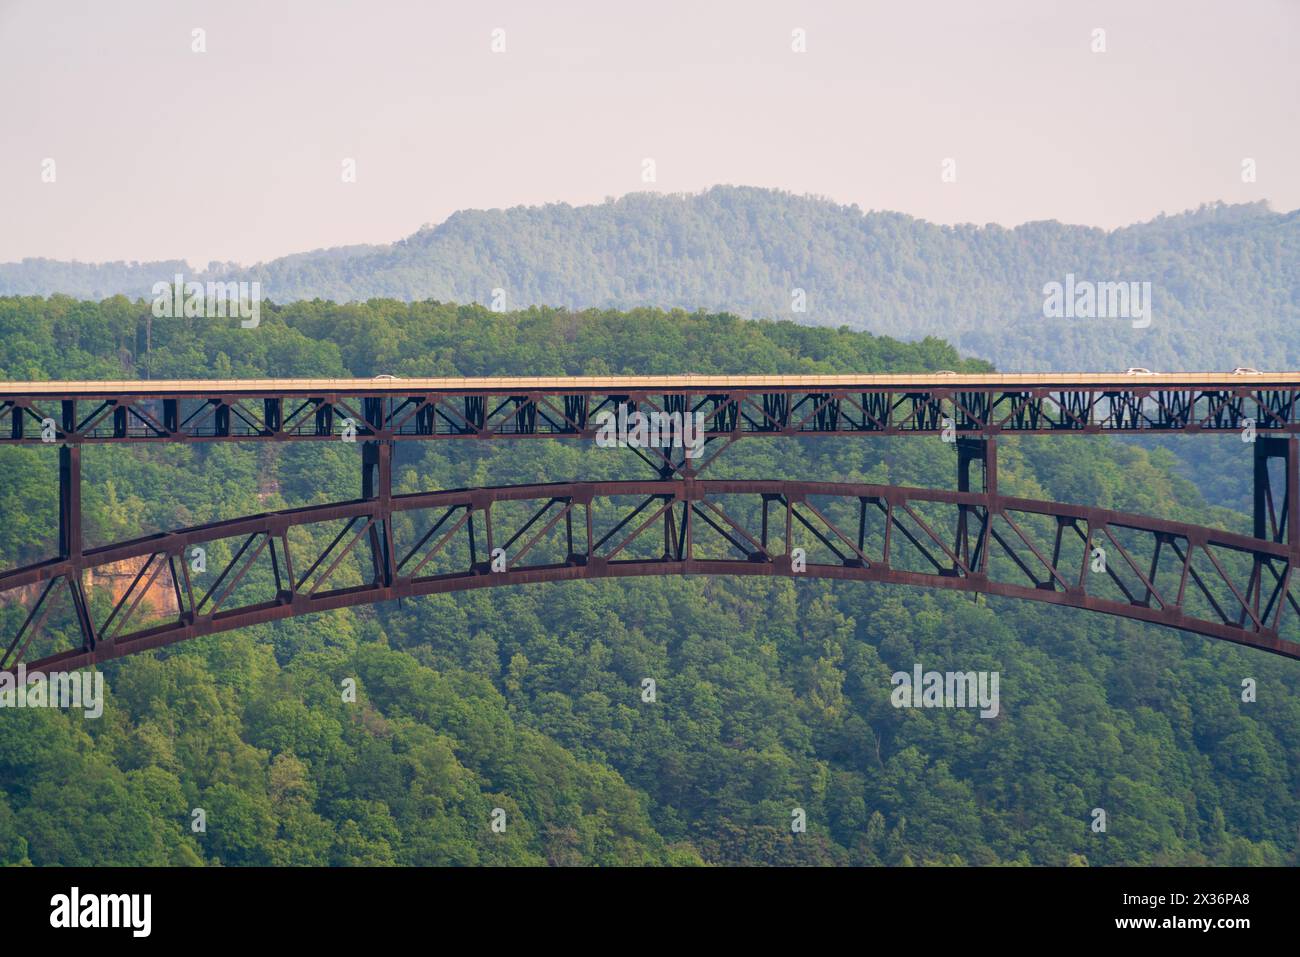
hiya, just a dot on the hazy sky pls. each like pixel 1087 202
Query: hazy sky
pixel 237 153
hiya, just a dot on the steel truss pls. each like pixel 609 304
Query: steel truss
pixel 382 546
pixel 1233 587
pixel 391 412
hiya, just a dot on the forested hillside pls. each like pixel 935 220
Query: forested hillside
pixel 1225 280
pixel 773 694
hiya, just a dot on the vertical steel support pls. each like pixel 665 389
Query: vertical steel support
pixel 1292 494
pixel 70 501
pixel 1272 519
pixel 69 487
pixel 985 452
pixel 272 412
pixel 71 545
pixel 377 486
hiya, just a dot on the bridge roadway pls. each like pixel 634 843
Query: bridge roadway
pixel 892 382
pixel 727 407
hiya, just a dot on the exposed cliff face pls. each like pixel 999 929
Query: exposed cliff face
pixel 116 578
pixel 112 580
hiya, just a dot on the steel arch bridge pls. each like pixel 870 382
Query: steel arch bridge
pixel 382 546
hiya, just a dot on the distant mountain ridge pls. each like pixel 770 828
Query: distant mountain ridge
pixel 1225 278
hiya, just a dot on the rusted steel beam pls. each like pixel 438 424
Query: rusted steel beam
pixel 728 407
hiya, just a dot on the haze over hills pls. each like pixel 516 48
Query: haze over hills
pixel 1225 280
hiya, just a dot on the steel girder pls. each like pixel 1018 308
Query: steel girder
pixel 280 564
pixel 389 413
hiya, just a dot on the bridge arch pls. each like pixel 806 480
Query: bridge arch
pixel 282 564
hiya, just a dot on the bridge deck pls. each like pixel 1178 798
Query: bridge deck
pixel 689 383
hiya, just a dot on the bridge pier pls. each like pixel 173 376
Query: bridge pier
pixel 377 486
pixel 985 452
pixel 982 450
pixel 71 543
pixel 1273 523
pixel 1273 518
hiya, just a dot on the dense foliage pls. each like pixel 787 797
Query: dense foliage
pixel 772 694
pixel 1225 280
